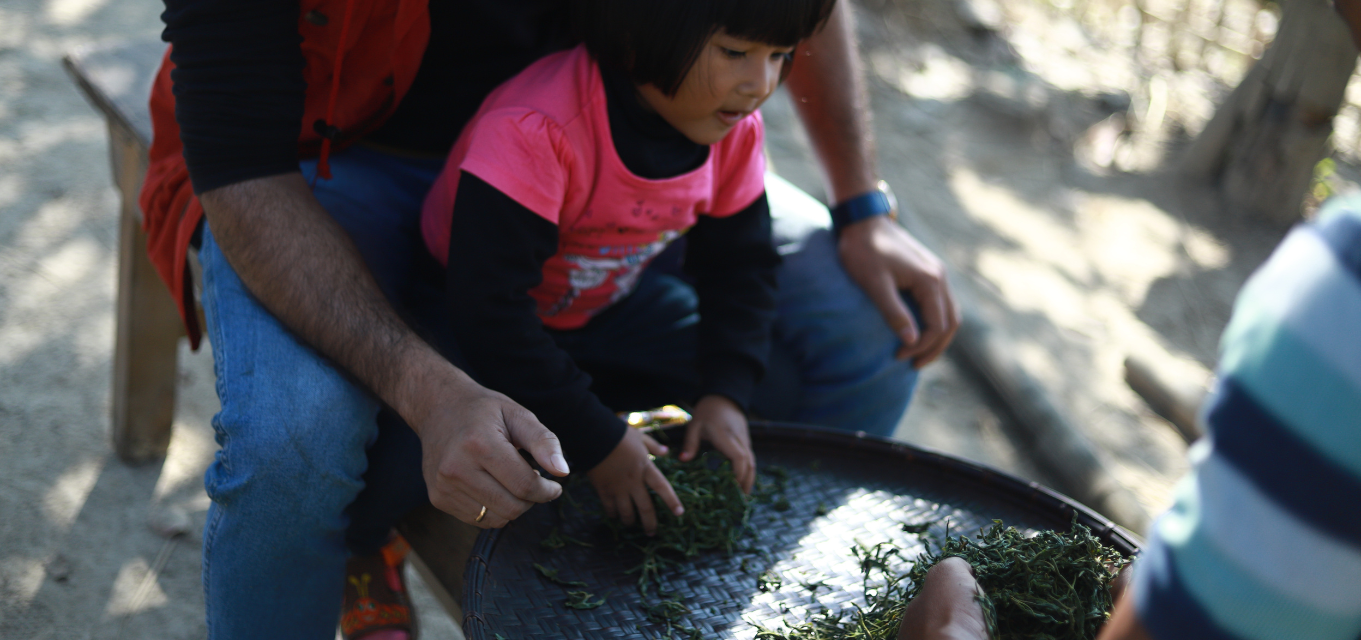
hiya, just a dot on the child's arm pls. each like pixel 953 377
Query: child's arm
pixel 733 261
pixel 496 255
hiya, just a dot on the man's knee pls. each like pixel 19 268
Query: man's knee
pixel 293 436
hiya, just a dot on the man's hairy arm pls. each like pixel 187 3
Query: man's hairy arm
pixel 829 93
pixel 828 87
pixel 302 266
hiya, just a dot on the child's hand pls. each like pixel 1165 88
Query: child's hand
pixel 721 422
pixel 623 478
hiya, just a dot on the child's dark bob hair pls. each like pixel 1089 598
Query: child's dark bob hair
pixel 657 41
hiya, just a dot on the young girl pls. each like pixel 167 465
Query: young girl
pixel 571 178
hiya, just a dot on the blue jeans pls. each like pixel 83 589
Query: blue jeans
pixel 313 468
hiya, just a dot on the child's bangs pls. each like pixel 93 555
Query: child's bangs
pixel 782 23
pixel 658 42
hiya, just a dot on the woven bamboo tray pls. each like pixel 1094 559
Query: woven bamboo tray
pixel 867 488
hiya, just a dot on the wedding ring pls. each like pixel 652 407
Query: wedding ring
pixel 481 514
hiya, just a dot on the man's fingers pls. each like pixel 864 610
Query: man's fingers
pixel 501 459
pixel 653 447
pixel 466 504
pixel 883 292
pixel 511 471
pixel 942 320
pixel 691 447
pixel 934 304
pixel 654 479
pixel 942 342
pixel 526 432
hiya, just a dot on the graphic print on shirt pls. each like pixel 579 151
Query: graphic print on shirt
pixel 620 265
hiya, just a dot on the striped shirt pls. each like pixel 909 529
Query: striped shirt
pixel 1264 538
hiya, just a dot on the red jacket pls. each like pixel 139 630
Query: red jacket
pixel 383 41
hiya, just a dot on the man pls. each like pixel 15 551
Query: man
pixel 316 288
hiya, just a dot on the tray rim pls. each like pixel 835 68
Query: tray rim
pixel 1021 490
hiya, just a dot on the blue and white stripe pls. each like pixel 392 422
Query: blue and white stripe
pixel 1264 541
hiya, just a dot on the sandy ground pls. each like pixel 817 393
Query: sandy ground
pixel 1001 143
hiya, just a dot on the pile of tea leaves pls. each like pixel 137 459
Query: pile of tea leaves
pixel 1050 586
pixel 717 518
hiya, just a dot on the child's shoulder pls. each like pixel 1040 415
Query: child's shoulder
pixel 561 86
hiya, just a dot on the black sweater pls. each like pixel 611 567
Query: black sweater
pixel 239 78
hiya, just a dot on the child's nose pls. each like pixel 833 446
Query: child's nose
pixel 762 78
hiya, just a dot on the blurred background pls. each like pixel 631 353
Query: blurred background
pixel 1101 176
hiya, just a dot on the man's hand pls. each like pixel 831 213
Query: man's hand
pixel 303 267
pixel 947 606
pixel 721 422
pixel 623 478
pixel 469 444
pixel 884 259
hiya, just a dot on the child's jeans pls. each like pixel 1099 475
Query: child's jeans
pixel 311 466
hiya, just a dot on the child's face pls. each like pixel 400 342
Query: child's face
pixel 729 80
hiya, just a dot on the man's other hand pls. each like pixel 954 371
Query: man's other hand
pixel 885 260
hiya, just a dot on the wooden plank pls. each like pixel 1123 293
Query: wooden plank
pixel 117 81
pixel 148 328
pixel 1176 400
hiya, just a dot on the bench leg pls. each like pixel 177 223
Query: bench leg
pixel 146 338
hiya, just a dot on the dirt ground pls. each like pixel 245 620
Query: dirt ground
pixel 1014 146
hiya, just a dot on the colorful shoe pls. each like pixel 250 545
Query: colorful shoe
pixel 377 606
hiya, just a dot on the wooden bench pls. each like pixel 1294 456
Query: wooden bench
pixel 117 81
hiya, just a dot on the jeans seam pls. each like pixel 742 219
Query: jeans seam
pixel 209 535
pixel 218 343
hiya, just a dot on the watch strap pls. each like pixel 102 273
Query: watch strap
pixel 867 205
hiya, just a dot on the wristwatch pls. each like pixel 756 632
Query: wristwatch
pixel 879 202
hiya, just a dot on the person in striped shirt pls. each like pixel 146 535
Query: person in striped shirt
pixel 1263 541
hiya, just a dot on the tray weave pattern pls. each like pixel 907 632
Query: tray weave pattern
pixel 842 489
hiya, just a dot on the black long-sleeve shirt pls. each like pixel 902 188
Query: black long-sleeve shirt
pixel 239 88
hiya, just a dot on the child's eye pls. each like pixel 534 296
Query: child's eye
pixel 784 56
pixel 733 54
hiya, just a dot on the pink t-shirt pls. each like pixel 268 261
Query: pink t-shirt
pixel 543 139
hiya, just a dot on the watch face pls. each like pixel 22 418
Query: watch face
pixel 892 199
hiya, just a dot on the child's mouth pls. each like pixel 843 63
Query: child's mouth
pixel 730 118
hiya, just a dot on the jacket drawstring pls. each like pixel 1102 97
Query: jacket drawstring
pixel 327 128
